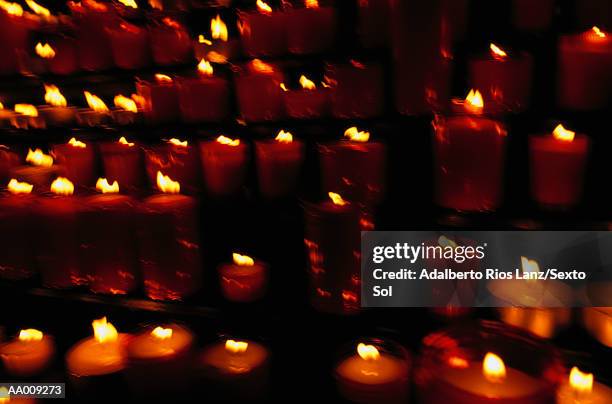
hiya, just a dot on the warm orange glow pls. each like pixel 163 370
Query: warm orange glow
pixel 306 84
pixel 26 109
pixel 124 141
pixel 30 335
pixel 261 67
pixel 129 3
pixel 95 102
pixel 169 22
pixel 497 52
pixel 562 134
pixel 177 142
pixel 263 7
pixel 311 4
pixel 202 39
pixel 104 331
pixel 38 9
pixel 76 143
pixel 227 141
pixel 243 260
pixel 45 51
pixel 16 187
pixel 1 106
pixel 598 32
pixel 54 97
pixel 284 137
pixel 38 158
pixel 162 333
pixel 580 382
pixel 218 29
pixel 11 8
pixel 528 265
pixel 205 68
pixel 493 368
pixel 368 352
pixel 458 362
pixel 283 87
pixel 167 185
pixel 103 186
pixel 163 78
pixel 336 199
pixel 125 103
pixel 156 4
pixel 236 346
pixel 139 100
pixel 474 101
pixel 357 135
pixel 62 186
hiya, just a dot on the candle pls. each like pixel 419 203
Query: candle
pixel 598 322
pixel 529 16
pixel 357 90
pixel 17 224
pixel 224 163
pixel 545 323
pixel 170 42
pixel 170 257
pixel 259 93
pixel 373 376
pixel 244 280
pixel 27 117
pixel 57 244
pixel 126 111
pixel 97 113
pixel 59 55
pixel 39 172
pixel 584 80
pixel 205 98
pixel 308 102
pixel 91 19
pixel 332 237
pixel 220 48
pixel 469 159
pixel 374 31
pixel 77 161
pixel 160 99
pixel 129 45
pixel 278 164
pixel 57 112
pixel 558 164
pixel 235 370
pixel 263 31
pixel 503 77
pixel 29 354
pixel 581 389
pixel 122 162
pixel 302 39
pixel 108 240
pixel 178 160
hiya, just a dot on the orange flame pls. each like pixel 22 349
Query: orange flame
pixel 30 334
pixel 474 101
pixel 497 52
pixel 284 137
pixel 129 3
pixel 227 141
pixel 167 185
pixel 283 87
pixel 458 362
pixel 26 109
pixel 528 265
pixel 205 68
pixel 124 141
pixel 139 100
pixel 38 158
pixel 95 102
pixel 1 106
pixel 243 260
pixel 336 199
pixel 562 134
pixel 125 103
pixel 163 78
pixel 493 368
pixel 580 382
pixel 11 8
pixel 44 51
pixel 202 39
pixel 356 135
pixel 311 4
pixel 368 352
pixel 76 143
pixel 62 186
pixel 598 32
pixel 307 84
pixel 218 29
pixel 104 331
pixel 176 142
pixel 38 9
pixel 261 67
pixel 236 346
pixel 263 7
pixel 16 187
pixel 162 333
pixel 103 186
pixel 54 97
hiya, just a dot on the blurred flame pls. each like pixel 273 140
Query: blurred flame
pixel 38 9
pixel 311 4
pixel 125 103
pixel 124 141
pixel 129 3
pixel 528 265
pixel 95 102
pixel 176 142
pixel 1 106
pixel 76 143
pixel 54 97
pixel 205 67
pixel 581 382
pixel 497 52
pixel 261 67
pixel 560 133
pixel 104 331
pixel 44 51
pixel 284 137
pixel 444 241
pixel 227 141
pixel 163 78
pixel 243 260
pixel 38 158
pixel 493 368
pixel 336 199
pixel 169 22
pixel 263 7
pixel 236 346
pixel 26 109
pixel 283 87
pixel 202 39
pixel 368 352
pixel 156 4
pixel 306 84
pixel 356 135
pixel 11 8
pixel 162 333
pixel 16 187
pixel 474 101
pixel 103 186
pixel 62 186
pixel 598 32
pixel 167 185
pixel 139 100
pixel 218 29
pixel 30 334
pixel 458 362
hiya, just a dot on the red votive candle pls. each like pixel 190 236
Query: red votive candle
pixel 28 355
pixel 557 167
pixel 311 29
pixel 263 31
pixel 77 161
pixel 130 45
pixel 354 167
pixel 332 237
pixel 244 280
pixel 357 90
pixel 122 162
pixel 178 160
pixel 585 70
pixel 40 171
pixel 57 248
pixel 59 54
pixel 259 92
pixel 204 98
pixel 308 102
pixel 469 159
pixel 224 162
pixel 278 164
pixel 160 99
pixel 529 16
pixel 503 78
pixel 56 112
pixel 93 46
pixel 16 223
pixel 170 255
pixel 170 42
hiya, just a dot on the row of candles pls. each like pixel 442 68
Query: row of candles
pixel 163 358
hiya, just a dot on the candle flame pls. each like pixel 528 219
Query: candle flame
pixel 45 51
pixel 11 8
pixel 218 29
pixel 236 346
pixel 458 362
pixel 16 187
pixel 283 87
pixel 284 137
pixel 162 333
pixel 368 352
pixel 336 199
pixel 139 100
pixel 444 241
pixel 129 3
pixel 560 133
pixel 104 331
pixel 1 106
pixel 30 334
pixel 38 9
pixel 227 141
pixel 38 158
pixel 169 22
pixel 243 260
pixel 311 4
pixel 202 39
pixel 176 142
pixel 497 52
pixel 122 140
pixel 95 102
pixel 205 68
pixel 53 96
pixel 307 84
pixel 163 78
pixel 598 32
pixel 62 186
pixel 76 143
pixel 167 185
pixel 529 266
pixel 263 7
pixel 125 103
pixel 103 186
pixel 580 382
pixel 474 101
pixel 26 109
pixel 493 368
pixel 261 67
pixel 356 135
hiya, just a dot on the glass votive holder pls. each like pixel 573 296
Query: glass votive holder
pixel 543 322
